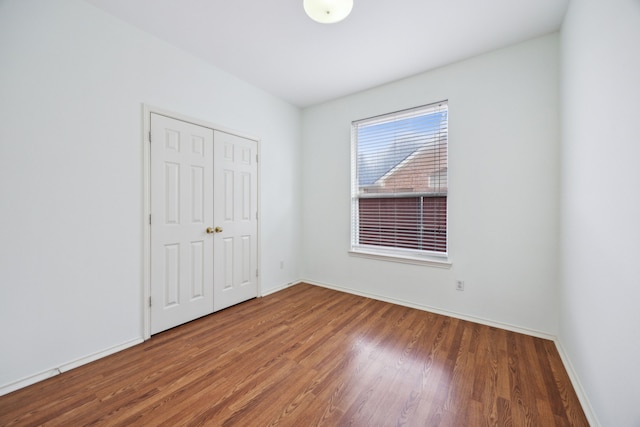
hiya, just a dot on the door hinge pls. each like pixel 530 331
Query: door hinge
pixel 149 219
pixel 149 301
pixel 149 136
pixel 256 272
pixel 256 158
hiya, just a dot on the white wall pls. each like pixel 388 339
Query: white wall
pixel 503 201
pixel 72 83
pixel 600 211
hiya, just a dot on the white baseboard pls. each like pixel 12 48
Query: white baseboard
pixel 577 386
pixel 279 288
pixel 430 309
pixel 32 379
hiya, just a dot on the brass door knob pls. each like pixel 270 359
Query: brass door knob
pixel 218 229
pixel 209 230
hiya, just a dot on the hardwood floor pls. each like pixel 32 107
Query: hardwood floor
pixel 311 356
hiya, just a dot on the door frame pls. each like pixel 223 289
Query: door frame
pixel 147 110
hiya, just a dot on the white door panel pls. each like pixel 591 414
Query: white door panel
pixel 181 210
pixel 235 212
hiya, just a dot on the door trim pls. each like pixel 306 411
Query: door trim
pixel 146 201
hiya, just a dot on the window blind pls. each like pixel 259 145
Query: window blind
pixel 400 180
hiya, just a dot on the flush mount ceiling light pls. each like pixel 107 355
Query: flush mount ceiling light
pixel 328 11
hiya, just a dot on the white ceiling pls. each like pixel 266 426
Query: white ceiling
pixel 273 45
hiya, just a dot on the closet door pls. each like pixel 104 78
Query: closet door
pixel 181 211
pixel 235 218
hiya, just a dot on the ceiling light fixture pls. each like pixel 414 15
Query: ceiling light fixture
pixel 328 11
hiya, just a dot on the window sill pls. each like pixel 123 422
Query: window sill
pixel 405 259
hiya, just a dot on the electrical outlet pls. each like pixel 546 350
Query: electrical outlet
pixel 459 285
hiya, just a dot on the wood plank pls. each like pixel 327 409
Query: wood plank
pixel 312 356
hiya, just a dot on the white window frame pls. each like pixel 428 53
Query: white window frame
pixel 402 255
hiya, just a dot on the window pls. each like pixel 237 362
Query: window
pixel 399 183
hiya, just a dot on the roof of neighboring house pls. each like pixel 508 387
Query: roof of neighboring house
pixel 421 171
